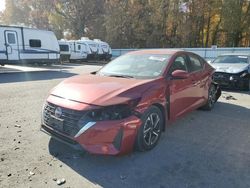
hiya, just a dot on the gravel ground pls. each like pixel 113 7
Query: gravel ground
pixel 203 149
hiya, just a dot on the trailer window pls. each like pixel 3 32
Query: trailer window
pixel 64 47
pixel 11 38
pixel 35 43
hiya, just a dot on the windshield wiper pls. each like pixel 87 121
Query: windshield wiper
pixel 120 76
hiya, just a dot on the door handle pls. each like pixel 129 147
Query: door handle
pixel 9 49
pixel 195 82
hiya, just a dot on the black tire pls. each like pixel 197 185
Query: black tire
pixel 212 98
pixel 150 131
pixel 48 64
pixel 246 86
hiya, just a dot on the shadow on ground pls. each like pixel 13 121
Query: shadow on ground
pixel 33 76
pixel 203 149
pixel 6 69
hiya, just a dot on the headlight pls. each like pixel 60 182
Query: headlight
pixel 116 112
pixel 42 113
pixel 243 74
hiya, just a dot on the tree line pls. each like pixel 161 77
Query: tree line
pixel 138 23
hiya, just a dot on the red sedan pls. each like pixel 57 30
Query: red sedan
pixel 128 103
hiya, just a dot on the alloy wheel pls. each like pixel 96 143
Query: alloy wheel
pixel 152 129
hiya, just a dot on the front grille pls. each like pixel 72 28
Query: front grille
pixel 69 119
pixel 223 79
pixel 222 76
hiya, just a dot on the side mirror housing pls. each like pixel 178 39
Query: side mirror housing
pixel 180 74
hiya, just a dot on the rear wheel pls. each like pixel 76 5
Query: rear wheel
pixel 211 98
pixel 150 130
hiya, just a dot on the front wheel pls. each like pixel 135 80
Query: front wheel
pixel 150 131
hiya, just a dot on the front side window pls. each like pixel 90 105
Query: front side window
pixel 143 66
pixel 11 38
pixel 35 43
pixel 178 64
pixel 195 64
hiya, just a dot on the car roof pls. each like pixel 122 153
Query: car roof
pixel 156 51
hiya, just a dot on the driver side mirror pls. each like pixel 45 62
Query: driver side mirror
pixel 180 74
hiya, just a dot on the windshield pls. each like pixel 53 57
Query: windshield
pixel 231 59
pixel 143 66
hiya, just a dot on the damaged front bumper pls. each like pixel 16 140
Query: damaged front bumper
pixel 112 137
pixel 230 80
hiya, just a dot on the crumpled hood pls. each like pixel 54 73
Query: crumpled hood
pixel 101 90
pixel 230 67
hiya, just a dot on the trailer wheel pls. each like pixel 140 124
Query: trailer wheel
pixel 48 64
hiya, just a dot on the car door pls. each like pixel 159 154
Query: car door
pixel 11 43
pixel 199 79
pixel 180 90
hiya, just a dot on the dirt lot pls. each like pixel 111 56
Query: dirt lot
pixel 203 149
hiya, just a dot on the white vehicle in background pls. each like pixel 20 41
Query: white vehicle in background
pixel 65 50
pixel 104 50
pixel 92 48
pixel 79 51
pixel 85 50
pixel 27 45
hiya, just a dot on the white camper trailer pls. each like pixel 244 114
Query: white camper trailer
pixel 65 50
pixel 92 48
pixel 104 50
pixel 78 51
pixel 27 45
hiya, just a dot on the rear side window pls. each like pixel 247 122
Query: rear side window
pixel 64 48
pixel 35 43
pixel 195 64
pixel 11 38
